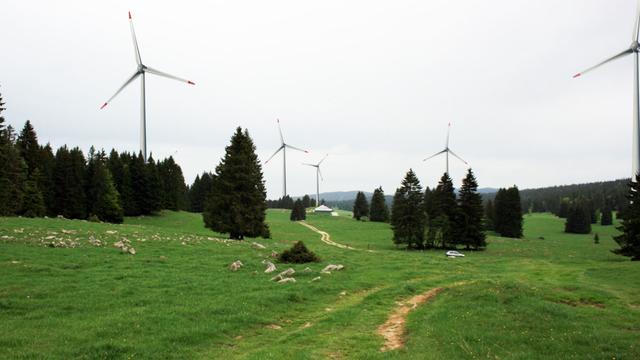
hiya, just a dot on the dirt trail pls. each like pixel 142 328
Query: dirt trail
pixel 393 329
pixel 325 237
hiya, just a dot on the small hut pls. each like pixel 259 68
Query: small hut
pixel 323 210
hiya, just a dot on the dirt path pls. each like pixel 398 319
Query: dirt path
pixel 394 328
pixel 325 237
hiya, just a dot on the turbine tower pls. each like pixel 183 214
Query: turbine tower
pixel 633 49
pixel 283 147
pixel 318 177
pixel 141 71
pixel 446 151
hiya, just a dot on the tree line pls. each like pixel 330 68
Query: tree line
pixel 35 181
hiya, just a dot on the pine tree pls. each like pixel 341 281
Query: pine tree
pixel 45 181
pixel 407 214
pixel 152 200
pixel 360 206
pixel 27 144
pixel 237 202
pixel 104 199
pixel 298 212
pixel 69 183
pixel 471 226
pixel 629 240
pixel 13 174
pixel 606 218
pixel 578 217
pixel 508 213
pixel 563 212
pixel 379 210
pixel 173 186
pixel 306 201
pixel 444 215
pixel 33 203
pixel 489 215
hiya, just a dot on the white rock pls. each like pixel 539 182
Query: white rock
pixel 316 279
pixel 255 245
pixel 283 275
pixel 287 280
pixel 329 268
pixel 236 265
pixel 270 267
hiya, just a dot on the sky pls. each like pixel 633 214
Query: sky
pixel 373 84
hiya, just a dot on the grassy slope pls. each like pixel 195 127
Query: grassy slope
pixel 561 297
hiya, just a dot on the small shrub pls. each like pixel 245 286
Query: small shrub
pixel 596 239
pixel 298 254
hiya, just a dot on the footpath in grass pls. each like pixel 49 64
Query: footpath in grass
pixel 549 295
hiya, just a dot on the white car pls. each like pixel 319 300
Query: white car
pixel 454 254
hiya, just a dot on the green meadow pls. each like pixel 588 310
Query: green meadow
pixel 549 295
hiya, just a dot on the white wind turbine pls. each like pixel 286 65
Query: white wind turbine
pixel 141 71
pixel 446 151
pixel 318 177
pixel 633 49
pixel 283 147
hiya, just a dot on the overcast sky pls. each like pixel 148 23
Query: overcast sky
pixel 371 83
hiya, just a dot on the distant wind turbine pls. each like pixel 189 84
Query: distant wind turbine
pixel 318 177
pixel 283 147
pixel 633 49
pixel 141 71
pixel 446 151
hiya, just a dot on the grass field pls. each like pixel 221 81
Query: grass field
pixel 549 295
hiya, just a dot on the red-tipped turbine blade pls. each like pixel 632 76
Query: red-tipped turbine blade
pixel 129 15
pixel 190 82
pixel 103 105
pixel 577 75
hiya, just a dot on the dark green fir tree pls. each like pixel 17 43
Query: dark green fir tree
pixel 237 203
pixel 508 213
pixel 629 240
pixel 33 201
pixel 379 209
pixel 407 214
pixel 578 217
pixel 360 206
pixel 471 214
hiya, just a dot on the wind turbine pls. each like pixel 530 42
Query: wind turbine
pixel 318 177
pixel 141 71
pixel 283 147
pixel 633 49
pixel 446 151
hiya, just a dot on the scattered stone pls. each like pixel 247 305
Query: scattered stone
pixel 18 231
pixel 68 232
pixel 316 279
pixel 239 337
pixel 163 258
pixel 60 217
pixel 274 254
pixel 50 237
pixel 307 270
pixel 255 245
pixel 111 232
pixel 61 244
pixel 306 325
pixel 95 242
pixel 125 246
pixel 285 274
pixel 270 267
pixel 329 268
pixel 343 293
pixel 15 262
pixel 287 280
pixel 236 265
pixel 274 327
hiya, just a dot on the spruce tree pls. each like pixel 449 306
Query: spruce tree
pixel 606 217
pixel 379 210
pixel 33 201
pixel 508 213
pixel 629 240
pixel 13 174
pixel 489 215
pixel 470 225
pixel 407 214
pixel 45 180
pixel 152 200
pixel 237 204
pixel 104 199
pixel 27 143
pixel 360 206
pixel 173 186
pixel 444 215
pixel 578 217
pixel 298 212
pixel 69 184
pixel 306 201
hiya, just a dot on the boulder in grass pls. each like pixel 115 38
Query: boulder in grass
pixel 287 280
pixel 270 267
pixel 236 265
pixel 285 274
pixel 257 246
pixel 329 268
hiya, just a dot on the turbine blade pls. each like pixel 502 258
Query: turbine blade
pixel 320 173
pixel 295 148
pixel 323 159
pixel 459 158
pixel 309 164
pixel 274 154
pixel 436 154
pixel 448 132
pixel 626 52
pixel 280 131
pixel 135 41
pixel 135 75
pixel 160 73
